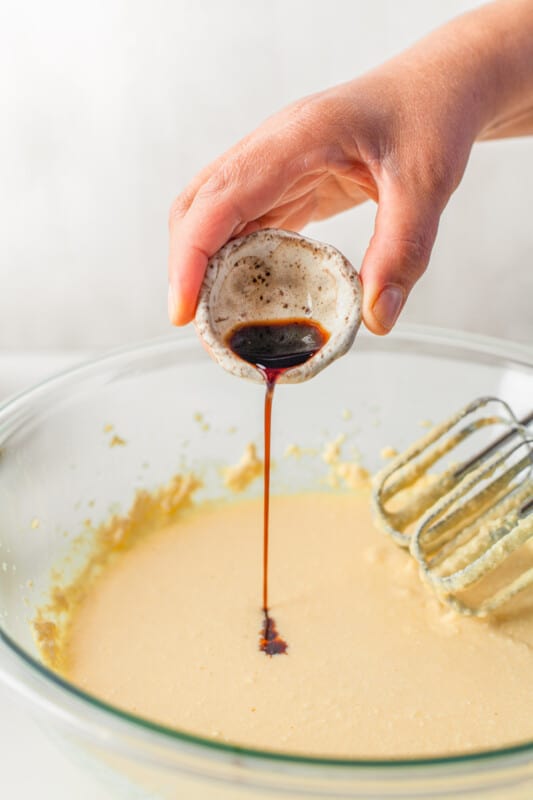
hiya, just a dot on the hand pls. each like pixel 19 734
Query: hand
pixel 400 135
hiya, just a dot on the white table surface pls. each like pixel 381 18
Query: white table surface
pixel 31 766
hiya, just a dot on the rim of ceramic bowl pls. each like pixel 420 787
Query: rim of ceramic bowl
pixel 427 339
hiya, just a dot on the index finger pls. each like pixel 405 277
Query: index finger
pixel 241 189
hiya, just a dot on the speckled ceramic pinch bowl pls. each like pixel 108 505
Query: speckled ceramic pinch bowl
pixel 274 275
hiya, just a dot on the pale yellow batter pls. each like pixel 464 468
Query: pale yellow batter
pixel 375 667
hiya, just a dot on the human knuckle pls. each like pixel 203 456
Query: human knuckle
pixel 222 182
pixel 436 169
pixel 180 206
pixel 300 108
pixel 440 177
pixel 414 252
pixel 307 118
pixel 214 186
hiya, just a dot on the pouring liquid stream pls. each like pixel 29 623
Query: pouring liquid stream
pixel 273 347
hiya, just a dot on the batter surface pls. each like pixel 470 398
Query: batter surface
pixel 375 667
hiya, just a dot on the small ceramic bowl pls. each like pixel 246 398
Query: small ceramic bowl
pixel 271 276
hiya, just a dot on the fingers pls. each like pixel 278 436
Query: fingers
pixel 233 196
pixel 398 254
pixel 193 240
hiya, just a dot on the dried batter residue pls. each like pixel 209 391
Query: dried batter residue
pixel 238 477
pixel 349 474
pixel 150 510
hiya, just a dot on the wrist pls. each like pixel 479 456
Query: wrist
pixel 485 59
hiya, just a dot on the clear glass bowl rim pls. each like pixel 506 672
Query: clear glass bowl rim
pixel 425 336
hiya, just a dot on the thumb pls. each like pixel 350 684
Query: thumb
pixel 398 254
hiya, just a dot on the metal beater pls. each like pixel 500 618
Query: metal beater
pixel 467 522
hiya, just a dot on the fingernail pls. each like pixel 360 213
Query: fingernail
pixel 172 303
pixel 387 307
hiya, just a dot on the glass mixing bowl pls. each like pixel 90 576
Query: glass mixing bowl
pixel 175 409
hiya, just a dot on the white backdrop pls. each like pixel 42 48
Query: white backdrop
pixel 109 107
